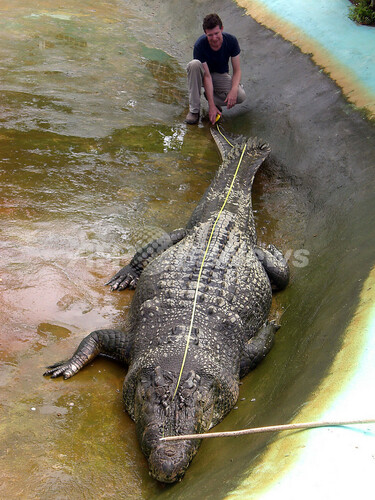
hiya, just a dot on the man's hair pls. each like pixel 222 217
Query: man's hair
pixel 211 21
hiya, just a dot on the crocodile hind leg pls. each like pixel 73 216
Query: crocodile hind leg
pixel 275 266
pixel 258 347
pixel 129 275
pixel 113 343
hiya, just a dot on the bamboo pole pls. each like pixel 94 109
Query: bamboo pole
pixel 272 428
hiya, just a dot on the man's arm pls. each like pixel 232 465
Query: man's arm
pixel 209 89
pixel 231 99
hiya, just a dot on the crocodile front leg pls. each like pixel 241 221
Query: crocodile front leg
pixel 129 275
pixel 258 347
pixel 113 343
pixel 275 266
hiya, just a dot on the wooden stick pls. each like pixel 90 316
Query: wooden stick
pixel 272 428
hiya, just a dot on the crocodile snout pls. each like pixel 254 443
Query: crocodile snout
pixel 169 461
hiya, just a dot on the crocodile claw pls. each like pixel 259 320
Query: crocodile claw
pixel 125 278
pixel 64 368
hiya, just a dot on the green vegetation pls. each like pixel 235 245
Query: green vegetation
pixel 363 12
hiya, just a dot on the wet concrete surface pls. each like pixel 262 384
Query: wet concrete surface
pixel 94 162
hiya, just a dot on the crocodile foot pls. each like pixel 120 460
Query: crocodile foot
pixel 258 347
pixel 65 368
pixel 127 277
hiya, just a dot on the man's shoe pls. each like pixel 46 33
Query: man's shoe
pixel 192 118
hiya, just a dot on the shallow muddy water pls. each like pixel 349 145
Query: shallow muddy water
pixel 95 159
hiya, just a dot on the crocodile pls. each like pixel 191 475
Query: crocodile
pixel 193 330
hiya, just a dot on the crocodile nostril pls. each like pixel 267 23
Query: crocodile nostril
pixel 170 452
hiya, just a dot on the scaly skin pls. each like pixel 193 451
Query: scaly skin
pixel 230 333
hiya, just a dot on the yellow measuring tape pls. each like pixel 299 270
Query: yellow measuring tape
pixel 222 135
pixel 204 258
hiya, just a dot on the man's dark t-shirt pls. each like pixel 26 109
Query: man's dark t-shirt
pixel 217 61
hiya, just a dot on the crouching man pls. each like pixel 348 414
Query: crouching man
pixel 210 69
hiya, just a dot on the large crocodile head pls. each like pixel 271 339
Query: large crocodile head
pixel 160 413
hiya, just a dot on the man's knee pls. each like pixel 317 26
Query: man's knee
pixel 194 66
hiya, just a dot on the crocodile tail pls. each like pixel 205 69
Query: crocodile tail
pixel 241 159
pixel 250 152
pixel 257 151
pixel 231 147
pixel 224 141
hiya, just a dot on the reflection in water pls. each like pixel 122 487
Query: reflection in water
pixel 82 70
pixel 91 164
pixel 165 75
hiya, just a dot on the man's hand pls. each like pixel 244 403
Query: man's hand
pixel 231 99
pixel 212 114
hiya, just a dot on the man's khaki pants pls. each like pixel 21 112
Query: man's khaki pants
pixel 222 83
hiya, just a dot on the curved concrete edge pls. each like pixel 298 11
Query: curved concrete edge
pixel 330 462
pixel 354 90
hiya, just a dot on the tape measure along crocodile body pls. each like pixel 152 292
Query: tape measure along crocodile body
pixel 204 258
